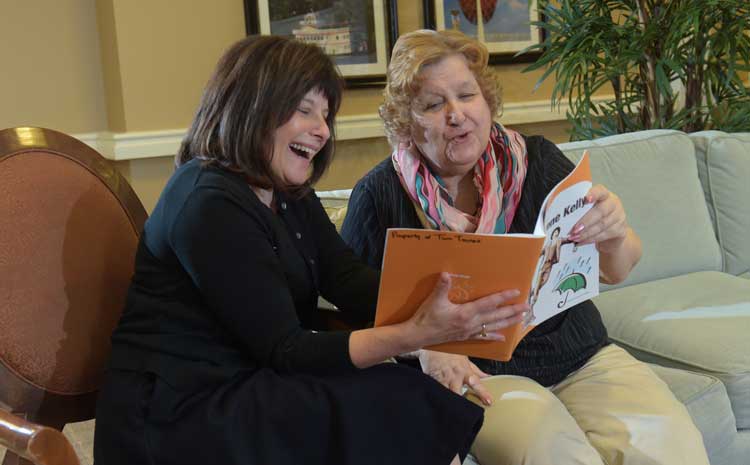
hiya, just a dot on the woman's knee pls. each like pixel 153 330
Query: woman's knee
pixel 527 424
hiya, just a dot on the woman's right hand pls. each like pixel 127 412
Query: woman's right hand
pixel 439 320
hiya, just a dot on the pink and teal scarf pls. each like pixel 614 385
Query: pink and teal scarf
pixel 498 176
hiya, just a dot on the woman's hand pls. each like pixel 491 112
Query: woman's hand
pixel 439 320
pixel 436 321
pixel 606 226
pixel 455 371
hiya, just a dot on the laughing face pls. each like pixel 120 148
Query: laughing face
pixel 297 141
pixel 452 126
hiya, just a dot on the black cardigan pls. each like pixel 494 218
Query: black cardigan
pixel 222 284
pixel 553 349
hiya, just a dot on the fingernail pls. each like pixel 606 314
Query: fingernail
pixel 516 292
pixel 579 227
pixel 487 402
pixel 589 199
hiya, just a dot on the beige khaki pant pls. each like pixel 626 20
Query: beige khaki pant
pixel 614 411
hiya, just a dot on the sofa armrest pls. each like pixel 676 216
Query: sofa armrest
pixel 39 444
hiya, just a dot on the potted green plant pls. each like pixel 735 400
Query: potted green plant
pixel 675 64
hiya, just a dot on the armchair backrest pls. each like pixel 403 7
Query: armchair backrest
pixel 69 227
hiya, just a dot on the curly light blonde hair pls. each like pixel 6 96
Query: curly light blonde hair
pixel 411 53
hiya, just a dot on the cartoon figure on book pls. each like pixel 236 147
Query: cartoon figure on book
pixel 219 357
pixel 567 395
pixel 549 257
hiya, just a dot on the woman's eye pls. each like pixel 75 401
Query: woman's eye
pixel 466 96
pixel 431 106
pixel 304 111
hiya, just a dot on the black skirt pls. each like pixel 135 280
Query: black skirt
pixel 387 414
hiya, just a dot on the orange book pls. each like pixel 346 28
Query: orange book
pixel 551 272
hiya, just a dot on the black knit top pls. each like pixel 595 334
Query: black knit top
pixel 555 348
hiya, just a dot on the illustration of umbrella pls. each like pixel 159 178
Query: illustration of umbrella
pixel 573 282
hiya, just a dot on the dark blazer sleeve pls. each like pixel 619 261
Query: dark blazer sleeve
pixel 227 250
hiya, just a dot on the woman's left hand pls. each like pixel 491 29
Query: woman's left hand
pixel 605 224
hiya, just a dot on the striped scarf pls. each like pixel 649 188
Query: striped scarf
pixel 498 176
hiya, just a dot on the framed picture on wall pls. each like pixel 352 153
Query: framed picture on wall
pixel 357 34
pixel 504 26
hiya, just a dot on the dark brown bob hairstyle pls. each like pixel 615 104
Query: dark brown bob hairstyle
pixel 256 87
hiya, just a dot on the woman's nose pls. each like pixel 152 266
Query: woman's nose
pixel 455 114
pixel 321 129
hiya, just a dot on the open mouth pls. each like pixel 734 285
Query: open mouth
pixel 460 138
pixel 302 151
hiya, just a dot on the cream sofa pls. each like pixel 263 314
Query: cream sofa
pixel 686 307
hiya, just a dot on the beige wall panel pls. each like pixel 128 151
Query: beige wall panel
pixel 167 50
pixel 361 101
pixel 51 70
pixel 148 177
pixel 354 158
pixel 410 15
pixel 110 65
pixel 556 131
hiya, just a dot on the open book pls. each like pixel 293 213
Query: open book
pixel 551 272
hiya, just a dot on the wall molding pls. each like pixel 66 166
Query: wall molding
pixel 151 144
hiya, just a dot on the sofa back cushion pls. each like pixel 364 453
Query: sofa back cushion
pixel 335 204
pixel 655 175
pixel 724 171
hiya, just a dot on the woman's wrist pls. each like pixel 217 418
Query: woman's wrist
pixel 412 336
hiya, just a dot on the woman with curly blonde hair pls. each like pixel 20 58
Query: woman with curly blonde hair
pixel 567 396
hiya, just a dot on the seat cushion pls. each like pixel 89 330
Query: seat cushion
pixel 655 175
pixel 706 399
pixel 724 170
pixel 699 322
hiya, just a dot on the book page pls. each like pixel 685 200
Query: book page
pixel 566 273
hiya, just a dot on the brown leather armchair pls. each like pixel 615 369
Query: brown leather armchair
pixel 69 226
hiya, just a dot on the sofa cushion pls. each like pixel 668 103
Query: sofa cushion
pixel 724 170
pixel 706 399
pixel 335 203
pixel 655 175
pixel 699 322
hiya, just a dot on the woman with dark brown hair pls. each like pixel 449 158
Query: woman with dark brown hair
pixel 217 357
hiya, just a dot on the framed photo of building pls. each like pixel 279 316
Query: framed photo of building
pixel 504 26
pixel 357 34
